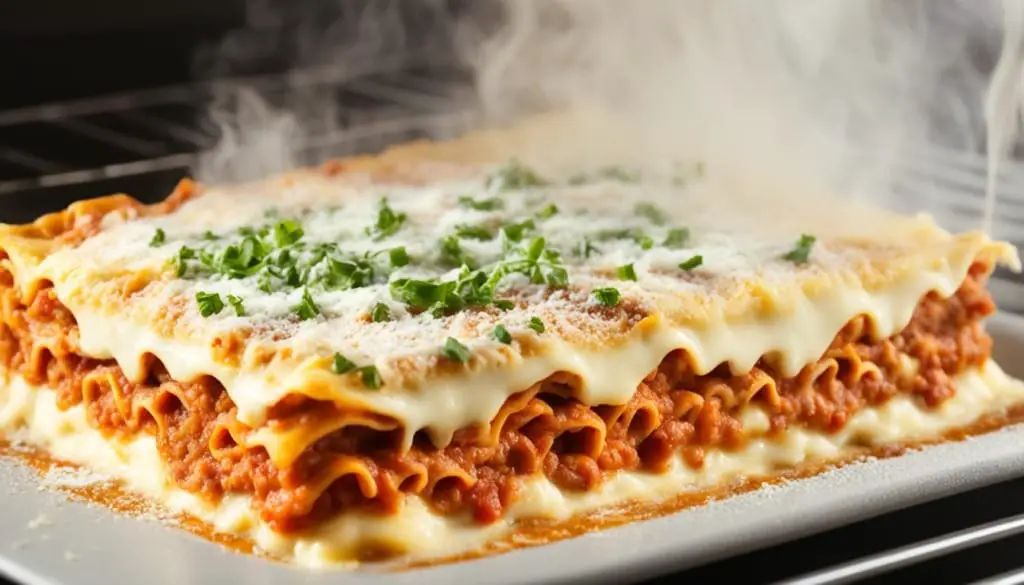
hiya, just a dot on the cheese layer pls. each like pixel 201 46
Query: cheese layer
pixel 30 414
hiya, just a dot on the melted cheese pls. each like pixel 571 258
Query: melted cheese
pixel 743 303
pixel 417 530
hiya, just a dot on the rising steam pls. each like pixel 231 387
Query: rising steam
pixel 778 95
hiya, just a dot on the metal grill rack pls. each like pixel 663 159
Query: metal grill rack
pixel 143 142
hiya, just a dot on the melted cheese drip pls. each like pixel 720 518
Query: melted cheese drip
pixel 67 435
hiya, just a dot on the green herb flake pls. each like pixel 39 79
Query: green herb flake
pixel 536 324
pixel 607 296
pixel 691 263
pixel 159 237
pixel 455 351
pixel 515 232
pixel 626 272
pixel 489 204
pixel 801 252
pixel 504 304
pixel 209 303
pixel 515 176
pixel 548 211
pixel 398 257
pixel 652 212
pixel 380 313
pixel 585 249
pixel 210 236
pixel 453 255
pixel 502 334
pixel 677 238
pixel 307 308
pixel 388 222
pixel 341 364
pixel 474 232
pixel 287 232
pixel 237 305
pixel 371 377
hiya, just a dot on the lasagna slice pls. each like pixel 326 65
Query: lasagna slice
pixel 422 352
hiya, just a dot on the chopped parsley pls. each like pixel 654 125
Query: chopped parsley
pixel 801 252
pixel 636 234
pixel 341 364
pixel 585 248
pixel 626 272
pixel 209 303
pixel 287 233
pixel 398 257
pixel 549 210
pixel 380 313
pixel 504 304
pixel 159 237
pixel 209 236
pixel 515 232
pixel 536 324
pixel 369 375
pixel 489 204
pixel 388 222
pixel 677 238
pixel 515 176
pixel 474 232
pixel 607 296
pixel 237 305
pixel 651 212
pixel 502 334
pixel 455 351
pixel 307 308
pixel 691 263
pixel 453 255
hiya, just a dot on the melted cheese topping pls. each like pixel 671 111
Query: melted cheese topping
pixel 744 302
pixel 415 529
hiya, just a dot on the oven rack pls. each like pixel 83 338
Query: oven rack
pixel 142 142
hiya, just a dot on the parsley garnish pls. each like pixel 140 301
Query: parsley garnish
pixel 209 303
pixel 453 255
pixel 341 364
pixel 474 232
pixel 651 212
pixel 677 238
pixel 236 304
pixel 208 235
pixel 380 313
pixel 287 233
pixel 549 210
pixel 514 232
pixel 692 263
pixel 455 351
pixel 388 222
pixel 536 324
pixel 504 304
pixel 802 251
pixel 370 376
pixel 502 334
pixel 306 309
pixel 398 257
pixel 585 248
pixel 515 176
pixel 159 237
pixel 490 204
pixel 607 296
pixel 636 234
pixel 627 272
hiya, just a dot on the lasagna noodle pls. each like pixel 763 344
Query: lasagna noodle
pixel 355 460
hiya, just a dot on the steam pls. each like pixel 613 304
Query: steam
pixel 779 96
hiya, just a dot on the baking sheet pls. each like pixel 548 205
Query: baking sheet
pixel 46 539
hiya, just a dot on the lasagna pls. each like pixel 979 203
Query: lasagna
pixel 418 353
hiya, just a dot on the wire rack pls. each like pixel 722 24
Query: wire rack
pixel 143 142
